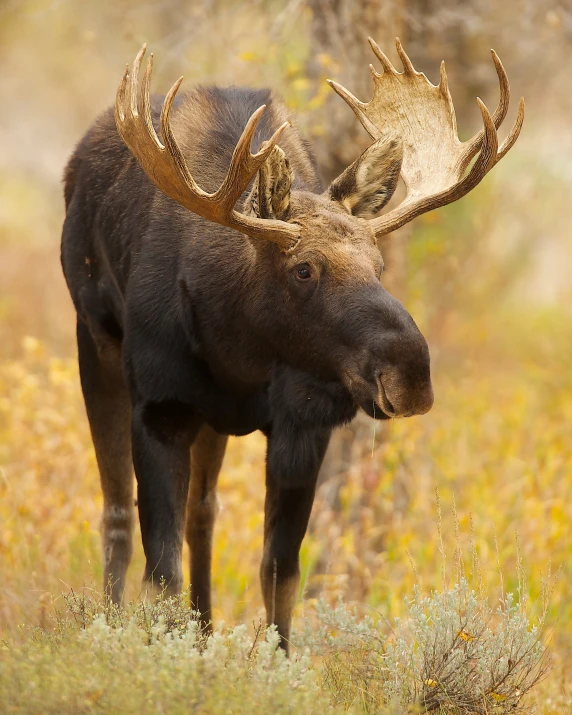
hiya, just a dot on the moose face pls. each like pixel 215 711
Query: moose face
pixel 331 315
pixel 350 327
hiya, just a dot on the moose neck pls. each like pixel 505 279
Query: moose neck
pixel 227 312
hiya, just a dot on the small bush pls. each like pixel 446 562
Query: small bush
pixel 151 658
pixel 452 651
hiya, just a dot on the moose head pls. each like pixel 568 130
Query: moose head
pixel 316 261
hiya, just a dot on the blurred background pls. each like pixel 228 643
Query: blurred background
pixel 486 477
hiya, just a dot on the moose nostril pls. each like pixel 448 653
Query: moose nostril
pixel 386 404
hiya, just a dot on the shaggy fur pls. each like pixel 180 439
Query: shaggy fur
pixel 189 331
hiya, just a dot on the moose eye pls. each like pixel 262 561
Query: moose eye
pixel 303 272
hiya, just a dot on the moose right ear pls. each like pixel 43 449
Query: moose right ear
pixel 270 194
pixel 367 185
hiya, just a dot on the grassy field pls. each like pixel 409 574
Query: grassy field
pixel 477 491
pixel 485 474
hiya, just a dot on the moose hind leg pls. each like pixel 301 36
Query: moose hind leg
pixel 207 454
pixel 109 413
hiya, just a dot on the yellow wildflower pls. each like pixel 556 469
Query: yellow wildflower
pixel 467 636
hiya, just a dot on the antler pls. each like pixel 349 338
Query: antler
pixel 166 167
pixel 434 159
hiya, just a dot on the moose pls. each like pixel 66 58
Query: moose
pixel 220 290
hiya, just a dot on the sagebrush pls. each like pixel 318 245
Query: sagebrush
pixel 450 651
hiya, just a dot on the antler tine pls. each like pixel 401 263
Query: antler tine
pixel 488 154
pixel 384 60
pixel 134 81
pixel 504 86
pixel 445 91
pixel 347 96
pixel 473 144
pixel 357 107
pixel 120 98
pixel 244 164
pixel 269 145
pixel 171 143
pixel 145 103
pixel 514 132
pixel 444 81
pixel 408 67
pixel 242 151
pixel 374 73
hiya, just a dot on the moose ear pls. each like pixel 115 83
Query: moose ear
pixel 270 194
pixel 367 185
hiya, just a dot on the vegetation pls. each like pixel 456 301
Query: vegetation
pixel 476 492
pixel 448 653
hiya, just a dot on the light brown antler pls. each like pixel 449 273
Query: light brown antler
pixel 166 167
pixel 422 114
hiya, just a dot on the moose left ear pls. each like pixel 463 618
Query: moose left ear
pixel 367 185
pixel 270 194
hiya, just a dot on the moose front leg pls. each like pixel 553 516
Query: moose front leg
pixel 161 436
pixel 286 512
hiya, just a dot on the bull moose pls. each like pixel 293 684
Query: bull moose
pixel 220 291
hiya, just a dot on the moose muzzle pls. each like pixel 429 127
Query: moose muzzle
pixel 389 373
pixel 398 396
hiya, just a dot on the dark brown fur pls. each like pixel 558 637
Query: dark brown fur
pixel 189 331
